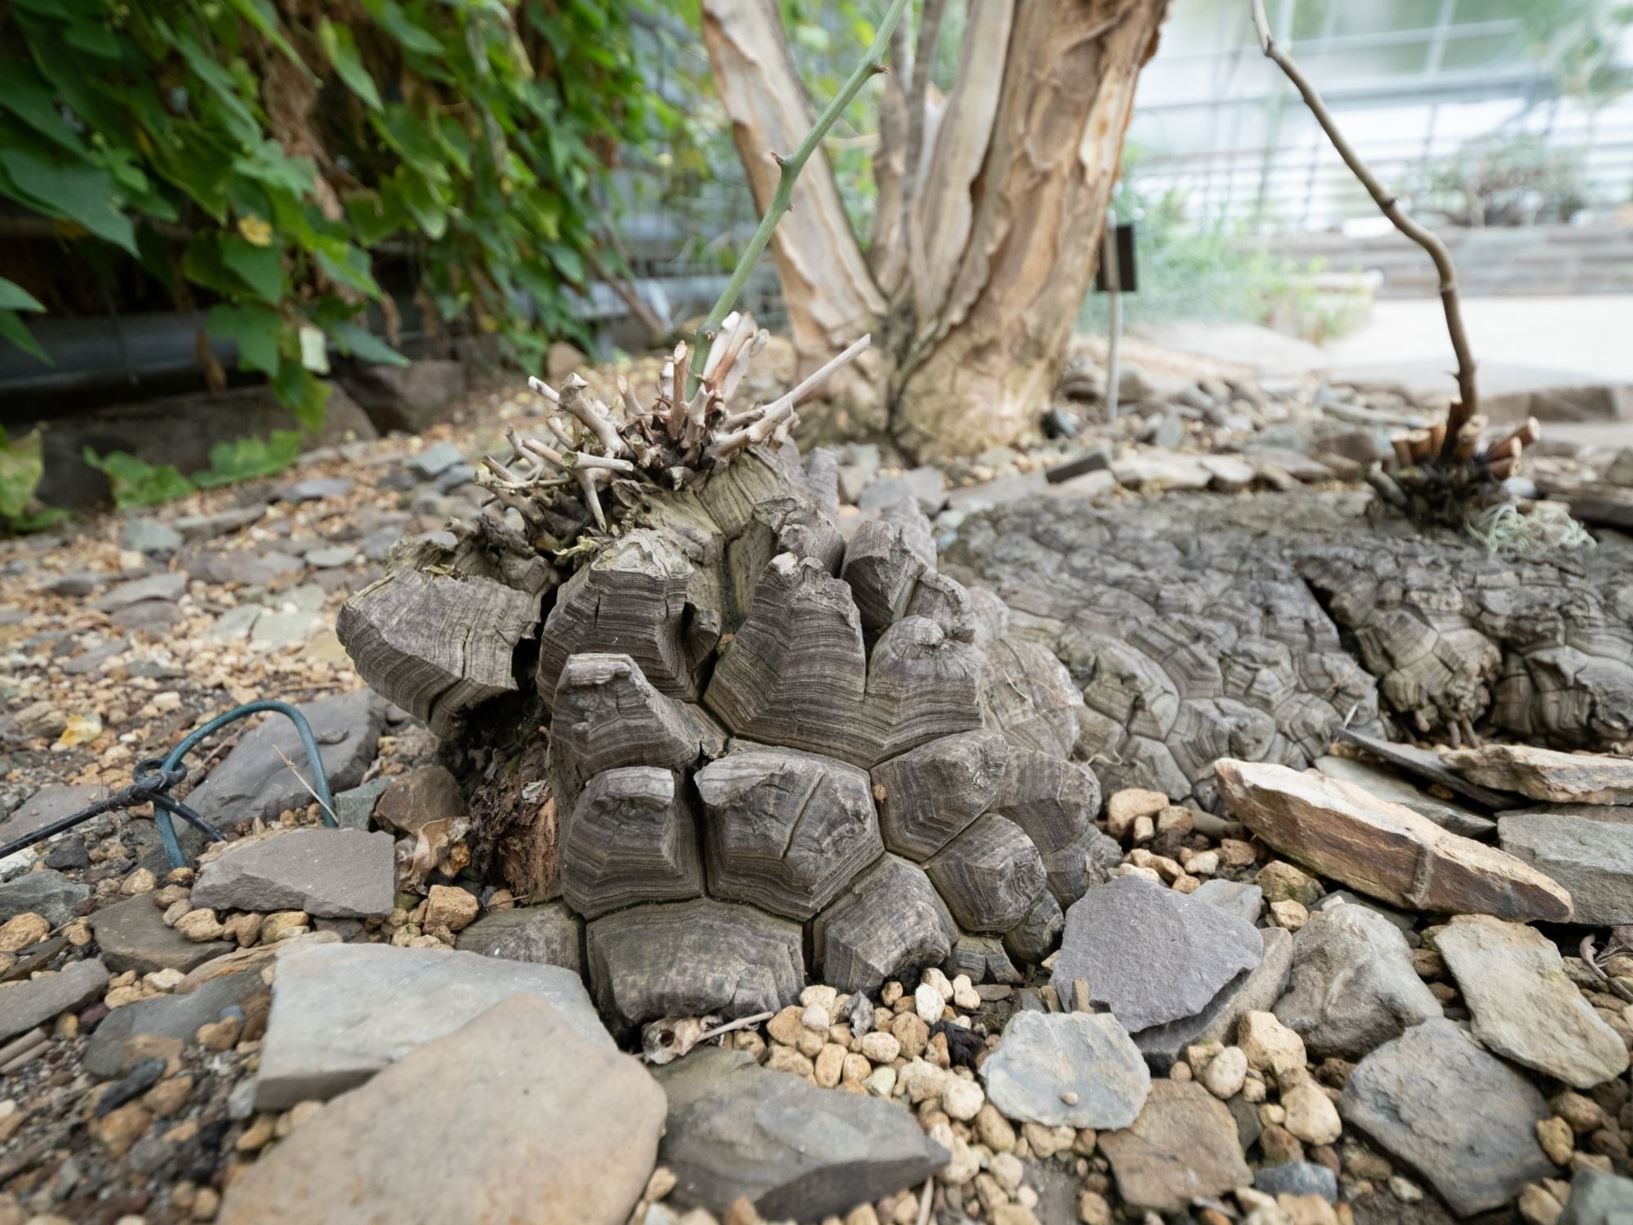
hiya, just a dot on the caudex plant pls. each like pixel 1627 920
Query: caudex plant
pixel 1447 472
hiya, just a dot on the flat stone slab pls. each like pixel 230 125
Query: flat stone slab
pixel 1384 850
pixel 255 781
pixel 49 804
pixel 1547 774
pixel 1523 1006
pixel 167 586
pixel 736 1129
pixel 1255 990
pixel 46 893
pixel 1352 985
pixel 132 936
pixel 1453 818
pixel 1149 954
pixel 1460 1117
pixel 1587 848
pixel 511 1116
pixel 545 935
pixel 329 873
pixel 1044 1057
pixel 1598 1198
pixel 34 1001
pixel 1183 1145
pixel 341 1012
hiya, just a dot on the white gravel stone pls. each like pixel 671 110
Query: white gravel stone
pixel 1225 1073
pixel 928 1003
pixel 1311 1116
pixel 962 1099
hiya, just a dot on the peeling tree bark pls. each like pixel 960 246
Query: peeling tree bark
pixel 991 208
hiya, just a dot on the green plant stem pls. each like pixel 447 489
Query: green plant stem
pixel 872 63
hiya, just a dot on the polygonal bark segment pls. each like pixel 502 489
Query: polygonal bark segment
pixel 883 563
pixel 795 672
pixel 990 875
pixel 1053 800
pixel 933 792
pixel 607 716
pixel 1072 870
pixel 921 685
pixel 1035 937
pixel 983 958
pixel 949 604
pixel 639 596
pixel 785 830
pixel 690 959
pixel 435 645
pixel 1028 694
pixel 630 838
pixel 887 922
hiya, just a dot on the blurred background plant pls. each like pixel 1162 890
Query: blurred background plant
pixel 1505 180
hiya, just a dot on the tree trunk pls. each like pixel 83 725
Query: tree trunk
pixel 990 214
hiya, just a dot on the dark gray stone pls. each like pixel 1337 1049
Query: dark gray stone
pixel 1463 1119
pixel 162 587
pixel 737 1130
pixel 1598 1198
pixel 548 935
pixel 1150 954
pixel 1255 990
pixel 244 566
pixel 412 397
pixel 1297 1178
pixel 1585 847
pixel 46 893
pixel 353 808
pixel 435 460
pixel 165 1016
pixel 1042 1056
pixel 150 536
pixel 332 873
pixel 341 1012
pixel 221 523
pixel 315 489
pixel 35 1001
pixel 1352 985
pixel 254 780
pixel 132 936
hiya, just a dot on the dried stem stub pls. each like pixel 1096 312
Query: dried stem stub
pixel 573 487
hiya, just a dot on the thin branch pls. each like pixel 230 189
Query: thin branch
pixel 923 62
pixel 872 63
pixel 1468 402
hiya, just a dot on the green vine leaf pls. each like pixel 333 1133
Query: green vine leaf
pixel 256 331
pixel 341 48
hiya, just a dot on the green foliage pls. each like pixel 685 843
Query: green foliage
pixel 268 163
pixel 21 467
pixel 136 482
pixel 1507 180
pixel 1580 42
pixel 1212 269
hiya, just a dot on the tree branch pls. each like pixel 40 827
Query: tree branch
pixel 872 63
pixel 1468 401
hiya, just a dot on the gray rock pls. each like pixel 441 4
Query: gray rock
pixel 1387 785
pixel 1463 1119
pixel 315 488
pixel 1352 985
pixel 547 935
pixel 132 936
pixel 509 1117
pixel 1524 1007
pixel 354 807
pixel 332 873
pixel 34 1001
pixel 1297 1178
pixel 49 804
pixel 1398 919
pixel 1587 848
pixel 1598 1198
pixel 46 893
pixel 1255 990
pixel 1237 897
pixel 150 536
pixel 163 587
pixel 255 782
pixel 736 1129
pixel 412 397
pixel 284 627
pixel 435 460
pixel 165 1016
pixel 1043 1056
pixel 221 523
pixel 927 486
pixel 1150 954
pixel 1184 1145
pixel 327 557
pixel 244 566
pixel 146 615
pixel 341 1012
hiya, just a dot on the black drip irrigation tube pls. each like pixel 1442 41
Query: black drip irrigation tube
pixel 155 777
